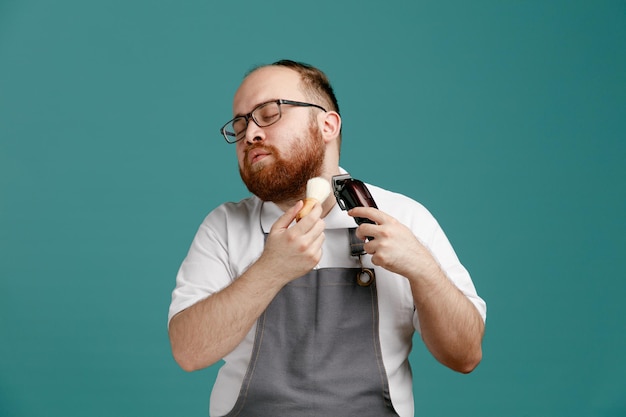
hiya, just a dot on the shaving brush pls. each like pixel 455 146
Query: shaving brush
pixel 317 190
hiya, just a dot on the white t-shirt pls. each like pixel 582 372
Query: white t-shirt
pixel 231 238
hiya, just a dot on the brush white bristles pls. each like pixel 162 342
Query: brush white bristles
pixel 317 190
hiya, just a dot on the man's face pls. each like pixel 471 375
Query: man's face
pixel 276 161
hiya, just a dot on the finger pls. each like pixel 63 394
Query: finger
pixel 318 243
pixel 371 213
pixel 367 231
pixel 308 221
pixel 288 216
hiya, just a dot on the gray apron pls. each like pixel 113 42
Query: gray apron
pixel 317 351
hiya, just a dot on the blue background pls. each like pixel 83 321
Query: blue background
pixel 506 119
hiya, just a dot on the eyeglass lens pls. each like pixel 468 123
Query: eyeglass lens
pixel 264 115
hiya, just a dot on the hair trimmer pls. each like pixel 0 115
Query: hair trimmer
pixel 351 193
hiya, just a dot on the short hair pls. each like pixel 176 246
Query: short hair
pixel 316 83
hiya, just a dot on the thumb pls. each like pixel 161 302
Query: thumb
pixel 288 217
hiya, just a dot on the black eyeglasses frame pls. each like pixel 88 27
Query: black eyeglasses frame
pixel 249 116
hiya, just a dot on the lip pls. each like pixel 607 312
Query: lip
pixel 257 154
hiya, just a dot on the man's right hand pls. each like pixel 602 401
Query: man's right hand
pixel 291 252
pixel 210 329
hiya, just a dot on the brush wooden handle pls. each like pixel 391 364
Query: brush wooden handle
pixel 306 209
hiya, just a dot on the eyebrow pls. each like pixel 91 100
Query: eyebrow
pixel 255 106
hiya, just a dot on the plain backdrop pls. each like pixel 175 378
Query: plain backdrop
pixel 506 119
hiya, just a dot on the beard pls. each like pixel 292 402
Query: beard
pixel 285 179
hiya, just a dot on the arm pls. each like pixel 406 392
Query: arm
pixel 210 329
pixel 452 327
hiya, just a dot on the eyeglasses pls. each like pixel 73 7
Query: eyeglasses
pixel 263 115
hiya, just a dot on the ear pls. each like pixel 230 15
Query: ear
pixel 330 125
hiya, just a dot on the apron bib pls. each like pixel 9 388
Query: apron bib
pixel 317 351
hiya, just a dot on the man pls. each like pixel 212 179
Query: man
pixel 279 301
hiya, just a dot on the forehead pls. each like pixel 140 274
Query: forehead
pixel 264 84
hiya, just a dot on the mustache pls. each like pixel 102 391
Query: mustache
pixel 257 146
pixel 266 148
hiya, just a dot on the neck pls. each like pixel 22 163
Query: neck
pixel 327 205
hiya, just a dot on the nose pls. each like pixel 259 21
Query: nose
pixel 254 133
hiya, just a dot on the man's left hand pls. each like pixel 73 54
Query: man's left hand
pixel 394 246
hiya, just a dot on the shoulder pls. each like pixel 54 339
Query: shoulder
pixel 232 217
pixel 234 211
pixel 396 204
pixel 407 211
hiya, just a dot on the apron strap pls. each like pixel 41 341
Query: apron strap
pixel 356 244
pixel 366 276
